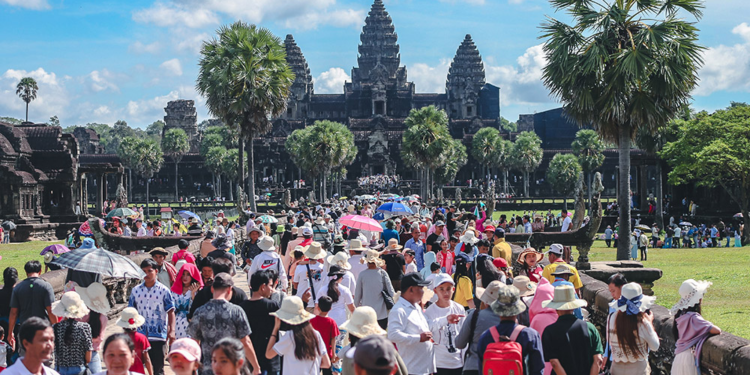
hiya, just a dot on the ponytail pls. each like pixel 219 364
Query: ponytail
pixel 333 289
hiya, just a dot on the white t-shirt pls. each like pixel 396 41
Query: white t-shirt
pixel 357 267
pixel 566 224
pixel 338 309
pixel 349 281
pixel 292 365
pixel 445 335
pixel 19 368
pixel 319 280
pixel 411 267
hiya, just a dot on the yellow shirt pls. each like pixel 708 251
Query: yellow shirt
pixel 463 291
pixel 502 250
pixel 575 279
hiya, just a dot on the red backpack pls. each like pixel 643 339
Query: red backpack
pixel 504 356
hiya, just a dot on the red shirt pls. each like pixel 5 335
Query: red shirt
pixel 141 346
pixel 328 330
pixel 183 254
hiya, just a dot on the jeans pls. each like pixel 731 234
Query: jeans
pixel 75 370
pixel 96 363
pixel 644 253
pixel 157 353
pixel 668 243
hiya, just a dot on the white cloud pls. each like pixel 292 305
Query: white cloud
pixel 52 97
pixel 515 1
pixel 193 43
pixel 473 2
pixel 172 67
pixel 28 4
pixel 140 48
pixel 102 80
pixel 145 111
pixel 331 81
pixel 428 78
pixel 726 67
pixel 338 18
pixel 171 14
pixel 102 110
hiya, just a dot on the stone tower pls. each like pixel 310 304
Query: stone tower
pixel 182 114
pixel 465 81
pixel 379 57
pixel 302 88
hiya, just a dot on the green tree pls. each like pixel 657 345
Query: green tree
pixel 426 137
pixel 229 168
pixel 118 132
pixel 26 90
pixel 653 143
pixel 127 151
pixel 507 126
pixel 714 151
pixel 245 79
pixel 526 156
pixel 210 141
pixel 589 148
pixel 484 148
pixel 54 121
pixel 503 160
pixel 622 66
pixel 175 145
pixel 146 160
pixel 214 162
pixel 450 162
pixel 155 129
pixel 563 173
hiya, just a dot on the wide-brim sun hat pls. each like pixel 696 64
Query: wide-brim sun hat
pixel 315 251
pixel 524 285
pixel 95 297
pixel 490 293
pixel 530 250
pixel 292 311
pixel 393 245
pixel 508 302
pixel 469 238
pixel 130 319
pixel 70 306
pixel 564 299
pixel 691 293
pixel 356 245
pixel 371 256
pixel 632 300
pixel 340 259
pixel 267 244
pixel 363 323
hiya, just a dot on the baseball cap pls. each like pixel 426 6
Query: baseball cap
pixel 187 348
pixel 440 279
pixel 500 263
pixel 489 228
pixel 413 279
pixel 555 248
pixel 500 232
pixel 223 280
pixel 375 353
pixel 307 231
pixel 439 223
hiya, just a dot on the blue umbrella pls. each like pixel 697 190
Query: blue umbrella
pixel 394 208
pixel 188 214
pixel 378 216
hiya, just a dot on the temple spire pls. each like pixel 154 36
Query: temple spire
pixel 378 43
pixel 296 60
pixel 465 80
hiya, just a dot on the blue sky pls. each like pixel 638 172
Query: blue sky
pixel 102 61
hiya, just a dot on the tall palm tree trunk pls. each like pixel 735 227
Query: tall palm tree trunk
pixel 251 177
pixel 27 111
pixel 176 178
pixel 505 181
pixel 231 192
pixel 148 185
pixel 623 197
pixel 526 184
pixel 213 183
pixel 659 196
pixel 241 165
pixel 130 184
pixel 589 189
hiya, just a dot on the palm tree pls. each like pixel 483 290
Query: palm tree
pixel 127 150
pixel 147 160
pixel 246 80
pixel 563 173
pixel 214 161
pixel 502 159
pixel 424 140
pixel 26 89
pixel 483 148
pixel 624 65
pixel 175 144
pixel 588 146
pixel 526 156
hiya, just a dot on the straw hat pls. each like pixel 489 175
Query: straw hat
pixel 266 244
pixel 508 302
pixel 48 257
pixel 129 318
pixel 95 297
pixel 320 220
pixel 314 251
pixel 524 285
pixel 371 256
pixel 364 322
pixel 292 311
pixel 530 250
pixel 633 301
pixel 564 299
pixel 70 306
pixel 356 245
pixel 489 294
pixel 469 238
pixel 691 292
pixel 294 230
pixel 340 259
pixel 562 269
pixel 393 245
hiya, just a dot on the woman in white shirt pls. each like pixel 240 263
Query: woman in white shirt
pixel 631 333
pixel 302 346
pixel 340 295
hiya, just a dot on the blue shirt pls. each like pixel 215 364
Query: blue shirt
pixel 608 234
pixel 388 234
pixel 153 304
pixel 418 247
pixel 531 346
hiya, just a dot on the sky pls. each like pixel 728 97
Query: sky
pixel 103 61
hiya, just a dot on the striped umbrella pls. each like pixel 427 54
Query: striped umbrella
pixel 99 261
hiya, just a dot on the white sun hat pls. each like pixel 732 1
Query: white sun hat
pixel 691 292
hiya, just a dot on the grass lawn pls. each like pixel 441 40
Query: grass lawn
pixel 17 254
pixel 726 302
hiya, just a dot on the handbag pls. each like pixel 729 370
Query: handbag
pixel 387 297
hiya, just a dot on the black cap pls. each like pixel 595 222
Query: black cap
pixel 413 279
pixel 500 232
pixel 223 280
pixel 374 353
pixel 335 270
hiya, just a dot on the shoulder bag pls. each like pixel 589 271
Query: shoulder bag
pixel 387 297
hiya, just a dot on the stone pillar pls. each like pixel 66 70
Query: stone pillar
pixel 643 187
pixel 100 180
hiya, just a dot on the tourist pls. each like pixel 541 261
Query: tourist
pixel 176 230
pixel 154 302
pixel 341 296
pixel 73 344
pixel 115 228
pixel 268 259
pixel 130 320
pixel 411 331
pixel 643 246
pixel 363 323
pixel 222 251
pixel 341 260
pixel 209 268
pixel 228 358
pixel 258 309
pixel 411 265
pixel 321 233
pixel 395 263
pixel 554 254
pixel 571 346
pixel 183 253
pixel 166 272
pixel 184 357
pixel 374 355
pixel 464 287
pixel 500 248
pixel 526 290
pixel 32 297
pixel 37 339
pixel 445 256
pixel 303 240
pixel 503 268
pixel 218 319
pixel 435 232
pixel 634 245
pixel 567 221
pixel 608 235
pixel 529 260
pixel 448 358
pixel 541 317
pixel 5 349
pixel 95 298
pixel 372 283
pixel 390 232
pixel 430 261
pixel 614 284
pixel 10 279
pixel 507 306
pixel 301 346
pixel 250 248
pixel 690 329
pixel 309 273
pixel 195 228
pixel 631 332
pixel 119 355
pixel 477 322
pixel 328 330
pixel 489 234
pixel 189 282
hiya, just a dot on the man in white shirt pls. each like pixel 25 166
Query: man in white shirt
pixel 411 331
pixel 141 229
pixel 566 221
pixel 38 340
pixel 268 259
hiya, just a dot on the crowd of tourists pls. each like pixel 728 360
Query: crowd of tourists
pixel 436 292
pixel 378 182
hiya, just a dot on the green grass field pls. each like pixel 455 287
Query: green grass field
pixel 17 254
pixel 726 302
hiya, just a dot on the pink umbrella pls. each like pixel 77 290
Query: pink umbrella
pixel 55 249
pixel 361 222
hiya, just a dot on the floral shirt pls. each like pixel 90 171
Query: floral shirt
pixel 214 321
pixel 72 353
pixel 153 304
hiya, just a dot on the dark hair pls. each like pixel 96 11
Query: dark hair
pixel 617 279
pixel 2 331
pixel 149 263
pixel 205 262
pixel 695 308
pixel 220 265
pixel 482 243
pixel 96 323
pixel 33 266
pixel 30 327
pixel 259 279
pixel 325 303
pixel 461 271
pixel 183 244
pixel 70 325
pixel 305 342
pixel 434 267
pixel 488 271
pixel 626 329
pixel 453 239
pixel 333 288
pixel 124 337
pixel 10 277
pixel 298 254
pixel 234 350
